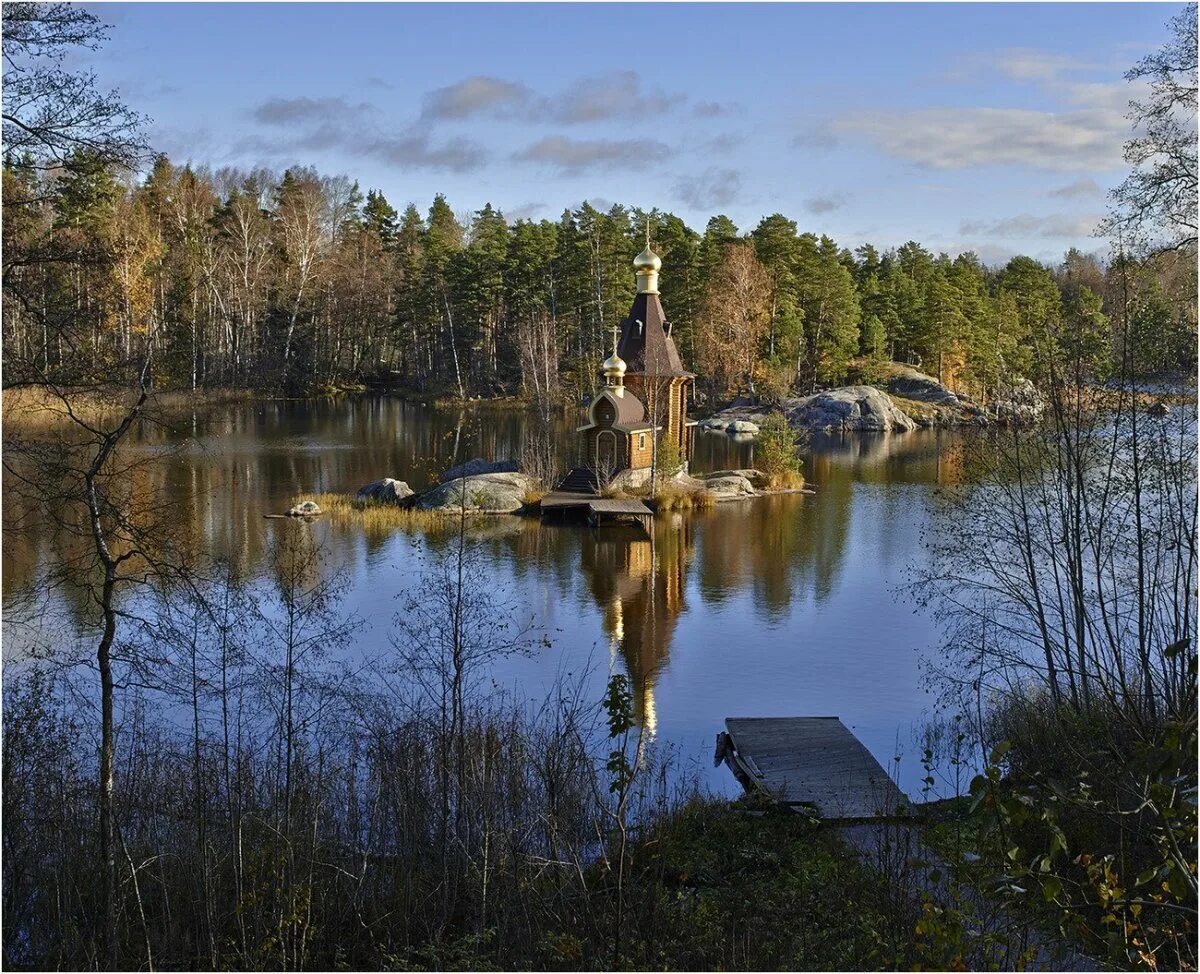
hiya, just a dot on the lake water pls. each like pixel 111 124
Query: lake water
pixel 786 605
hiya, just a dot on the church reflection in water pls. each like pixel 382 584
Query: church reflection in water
pixel 639 581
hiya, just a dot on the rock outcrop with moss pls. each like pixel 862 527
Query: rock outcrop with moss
pixel 488 493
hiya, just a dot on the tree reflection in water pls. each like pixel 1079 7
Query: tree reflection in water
pixel 775 604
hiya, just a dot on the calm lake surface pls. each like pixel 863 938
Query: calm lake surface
pixel 787 605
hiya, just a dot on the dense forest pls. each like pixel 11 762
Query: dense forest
pixel 301 282
pixel 206 773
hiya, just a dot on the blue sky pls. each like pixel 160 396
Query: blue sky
pixel 993 127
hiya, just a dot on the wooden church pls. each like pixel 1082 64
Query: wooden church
pixel 644 396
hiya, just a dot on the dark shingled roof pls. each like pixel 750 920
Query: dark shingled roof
pixel 648 348
pixel 630 409
pixel 631 413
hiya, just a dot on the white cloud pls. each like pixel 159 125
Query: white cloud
pixel 478 95
pixel 1081 188
pixel 711 189
pixel 818 205
pixel 1083 128
pixel 301 110
pixel 1024 63
pixel 1064 226
pixel 1083 140
pixel 617 94
pixel 582 155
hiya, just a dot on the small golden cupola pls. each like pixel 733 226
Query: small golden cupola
pixel 613 368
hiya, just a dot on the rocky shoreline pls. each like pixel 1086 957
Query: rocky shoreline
pixel 911 400
pixel 485 487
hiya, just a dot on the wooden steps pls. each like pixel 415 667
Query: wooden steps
pixel 580 480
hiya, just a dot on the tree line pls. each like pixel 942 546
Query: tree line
pixel 299 282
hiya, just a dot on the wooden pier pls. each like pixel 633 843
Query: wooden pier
pixel 811 762
pixel 606 509
pixel 597 510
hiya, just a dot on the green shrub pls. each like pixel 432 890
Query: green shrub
pixel 776 453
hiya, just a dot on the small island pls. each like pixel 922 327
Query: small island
pixel 635 448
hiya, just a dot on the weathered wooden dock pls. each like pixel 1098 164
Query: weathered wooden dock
pixel 597 510
pixel 561 502
pixel 814 762
pixel 612 509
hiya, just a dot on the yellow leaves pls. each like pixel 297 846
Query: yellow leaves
pixel 137 250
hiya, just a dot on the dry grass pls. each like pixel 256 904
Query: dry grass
pixel 375 517
pixel 675 498
pixel 927 413
pixel 787 480
pixel 31 407
pixel 533 496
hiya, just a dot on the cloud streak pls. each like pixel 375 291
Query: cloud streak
pixel 1053 226
pixel 713 188
pixel 326 124
pixel 293 111
pixel 818 205
pixel 961 138
pixel 478 95
pixel 596 98
pixel 1082 188
pixel 573 156
pixel 1086 134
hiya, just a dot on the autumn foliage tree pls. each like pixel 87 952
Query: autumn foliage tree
pixel 733 320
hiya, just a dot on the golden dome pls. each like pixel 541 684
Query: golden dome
pixel 613 367
pixel 647 260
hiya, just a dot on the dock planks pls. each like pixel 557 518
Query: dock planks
pixel 598 510
pixel 814 761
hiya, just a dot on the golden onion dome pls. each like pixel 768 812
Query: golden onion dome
pixel 647 260
pixel 613 367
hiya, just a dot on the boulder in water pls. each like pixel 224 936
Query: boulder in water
pixel 305 509
pixel 742 426
pixel 473 468
pixel 487 493
pixel 729 484
pixel 757 478
pixel 385 491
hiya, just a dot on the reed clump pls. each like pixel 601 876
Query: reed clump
pixel 532 498
pixel 375 516
pixel 785 480
pixel 674 497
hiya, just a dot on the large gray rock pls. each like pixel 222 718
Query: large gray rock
pixel 757 478
pixel 385 491
pixel 742 426
pixel 1021 402
pixel 912 384
pixel 488 493
pixel 852 408
pixel 473 468
pixel 305 509
pixel 729 485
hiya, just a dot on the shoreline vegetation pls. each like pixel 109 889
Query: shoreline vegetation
pixel 933 405
pixel 204 772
